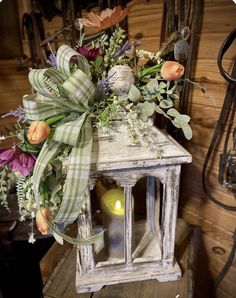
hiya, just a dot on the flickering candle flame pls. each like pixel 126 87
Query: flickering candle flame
pixel 118 204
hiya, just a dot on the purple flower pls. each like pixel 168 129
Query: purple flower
pixel 91 54
pixel 17 160
pixel 18 113
pixel 105 84
pixel 52 60
pixel 126 46
pixel 6 155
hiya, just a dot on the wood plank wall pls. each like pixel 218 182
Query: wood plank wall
pixel 216 225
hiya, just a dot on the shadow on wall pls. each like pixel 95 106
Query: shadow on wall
pixel 203 280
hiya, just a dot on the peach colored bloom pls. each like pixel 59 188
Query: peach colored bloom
pixel 42 216
pixel 38 131
pixel 172 70
pixel 106 19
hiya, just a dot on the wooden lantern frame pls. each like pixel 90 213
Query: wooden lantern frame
pixel 114 157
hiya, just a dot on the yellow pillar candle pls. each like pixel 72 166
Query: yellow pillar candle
pixel 113 222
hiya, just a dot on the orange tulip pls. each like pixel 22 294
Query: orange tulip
pixel 38 131
pixel 42 216
pixel 172 70
pixel 106 19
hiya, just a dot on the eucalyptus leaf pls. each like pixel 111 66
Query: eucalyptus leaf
pixel 188 133
pixel 134 93
pixel 145 110
pixel 160 91
pixel 173 112
pixel 168 92
pixel 184 118
pixel 163 85
pixel 159 97
pixel 174 96
pixel 148 95
pixel 166 104
pixel 160 111
pixel 152 85
pixel 176 123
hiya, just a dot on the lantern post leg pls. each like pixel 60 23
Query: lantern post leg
pixel 85 252
pixel 128 232
pixel 153 206
pixel 150 201
pixel 170 207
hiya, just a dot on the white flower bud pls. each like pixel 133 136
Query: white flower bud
pixel 121 78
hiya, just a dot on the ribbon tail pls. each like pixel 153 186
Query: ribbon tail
pixel 47 152
pixel 77 178
pixel 74 241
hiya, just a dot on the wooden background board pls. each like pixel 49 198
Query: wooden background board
pixel 144 21
pixel 217 224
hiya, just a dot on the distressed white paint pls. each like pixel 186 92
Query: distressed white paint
pixel 149 247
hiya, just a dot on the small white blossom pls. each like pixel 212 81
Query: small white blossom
pixel 31 238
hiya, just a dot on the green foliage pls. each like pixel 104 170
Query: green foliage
pixel 145 110
pixel 181 121
pixel 107 114
pixel 134 94
pixel 109 45
pixel 25 195
pixel 51 188
pixel 164 95
pixel 5 183
pixel 51 85
pixel 55 119
pixel 149 71
pixel 25 146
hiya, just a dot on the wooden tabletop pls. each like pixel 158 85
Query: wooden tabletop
pixel 59 268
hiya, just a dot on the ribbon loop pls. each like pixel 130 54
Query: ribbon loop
pixel 45 81
pixel 63 59
pixel 37 107
pixel 80 88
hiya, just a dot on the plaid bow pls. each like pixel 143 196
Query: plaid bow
pixel 60 90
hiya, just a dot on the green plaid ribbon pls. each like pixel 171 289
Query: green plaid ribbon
pixel 59 90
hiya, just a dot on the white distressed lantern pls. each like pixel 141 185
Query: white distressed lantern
pixel 148 251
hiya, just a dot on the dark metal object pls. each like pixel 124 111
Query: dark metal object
pixel 179 41
pixel 227 167
pixel 195 26
pixel 225 46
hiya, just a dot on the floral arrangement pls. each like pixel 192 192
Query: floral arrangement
pixel 96 82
